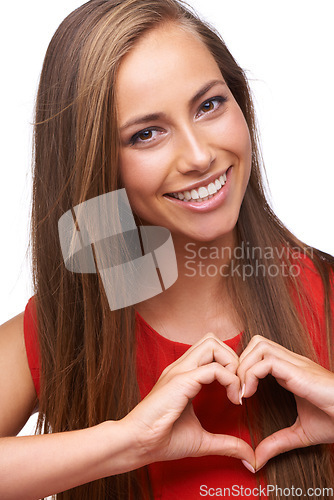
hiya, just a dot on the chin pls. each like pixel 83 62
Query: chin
pixel 205 236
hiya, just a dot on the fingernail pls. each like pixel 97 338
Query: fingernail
pixel 248 466
pixel 259 468
pixel 241 394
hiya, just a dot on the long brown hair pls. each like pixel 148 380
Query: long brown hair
pixel 88 351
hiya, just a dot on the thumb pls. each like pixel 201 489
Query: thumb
pixel 281 441
pixel 230 446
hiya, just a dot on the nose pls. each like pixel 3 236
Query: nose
pixel 194 152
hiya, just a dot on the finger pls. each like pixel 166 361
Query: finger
pixel 310 382
pixel 193 380
pixel 169 398
pixel 207 350
pixel 230 446
pixel 279 442
pixel 282 371
pixel 209 337
pixel 258 346
pixel 263 350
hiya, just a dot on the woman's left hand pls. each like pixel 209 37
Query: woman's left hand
pixel 311 384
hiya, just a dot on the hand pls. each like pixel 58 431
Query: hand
pixel 164 425
pixel 311 384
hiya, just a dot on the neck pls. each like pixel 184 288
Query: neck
pixel 198 302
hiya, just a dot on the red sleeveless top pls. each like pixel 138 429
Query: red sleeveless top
pixel 195 478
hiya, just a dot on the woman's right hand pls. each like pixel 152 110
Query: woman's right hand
pixel 164 425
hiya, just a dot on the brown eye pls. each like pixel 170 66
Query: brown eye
pixel 211 105
pixel 146 134
pixel 208 106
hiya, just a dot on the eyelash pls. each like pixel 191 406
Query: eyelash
pixel 220 99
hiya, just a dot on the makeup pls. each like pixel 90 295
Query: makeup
pixel 209 204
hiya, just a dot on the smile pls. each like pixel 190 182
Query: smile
pixel 203 193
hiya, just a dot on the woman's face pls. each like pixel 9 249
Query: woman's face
pixel 181 132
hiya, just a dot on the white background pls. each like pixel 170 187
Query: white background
pixel 286 48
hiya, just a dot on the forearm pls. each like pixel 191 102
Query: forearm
pixel 37 466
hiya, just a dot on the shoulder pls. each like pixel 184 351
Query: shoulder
pixel 314 299
pixel 12 330
pixel 17 393
pixel 315 276
pixel 12 339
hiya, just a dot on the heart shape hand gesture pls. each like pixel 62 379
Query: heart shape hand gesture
pixel 165 427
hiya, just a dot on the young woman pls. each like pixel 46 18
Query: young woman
pixel 221 384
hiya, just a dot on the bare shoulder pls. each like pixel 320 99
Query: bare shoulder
pixel 17 392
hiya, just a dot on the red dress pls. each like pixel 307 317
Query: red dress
pixel 191 478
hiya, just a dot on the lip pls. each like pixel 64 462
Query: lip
pixel 202 182
pixel 208 205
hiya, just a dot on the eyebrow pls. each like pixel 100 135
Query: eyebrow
pixel 158 116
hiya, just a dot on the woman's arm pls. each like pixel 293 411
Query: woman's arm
pixel 36 466
pixel 18 397
pixel 161 427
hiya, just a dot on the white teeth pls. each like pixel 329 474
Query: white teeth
pixel 218 184
pixel 222 179
pixel 203 192
pixel 212 188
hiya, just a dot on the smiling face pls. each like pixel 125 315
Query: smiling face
pixel 181 130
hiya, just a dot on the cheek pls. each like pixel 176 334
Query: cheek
pixel 235 135
pixel 244 140
pixel 128 173
pixel 139 176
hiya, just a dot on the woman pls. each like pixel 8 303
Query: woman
pixel 142 95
